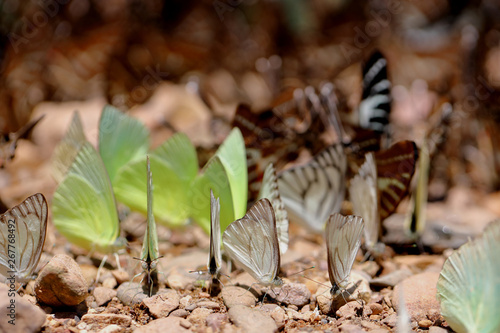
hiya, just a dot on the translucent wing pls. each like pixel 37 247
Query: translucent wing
pixel 270 191
pixel 314 191
pixel 364 198
pixel 469 284
pixel 213 176
pixel 252 242
pixel 343 238
pixel 122 139
pixel 175 166
pixel 233 157
pixel 23 229
pixel 83 207
pixel 215 258
pixel 375 106
pixel 67 149
pixel 150 243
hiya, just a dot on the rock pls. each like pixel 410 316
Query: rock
pixel 232 295
pixel 276 312
pixel 185 301
pixel 112 329
pixel 245 280
pixel 391 320
pixel 251 320
pixel 349 310
pixel 26 317
pixel 199 316
pixel 103 295
pixel 437 329
pixel 166 325
pixel 216 320
pixel 419 294
pixel 61 282
pixel 162 304
pixel 350 328
pixel 96 321
pixel 89 272
pixel 120 276
pixel 130 293
pixel 293 294
pixel 369 267
pixel 179 313
pixel 426 323
pixel 359 289
pixel 391 279
pixel 376 308
pixel 109 282
pixel 208 305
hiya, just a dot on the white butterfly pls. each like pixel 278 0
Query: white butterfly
pixel 270 191
pixel 252 242
pixel 22 230
pixel 215 258
pixel 314 191
pixel 343 238
pixel 363 192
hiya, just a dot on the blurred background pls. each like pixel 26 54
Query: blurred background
pixel 186 65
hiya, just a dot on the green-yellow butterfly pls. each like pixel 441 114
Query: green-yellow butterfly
pixel 84 207
pixel 149 254
pixel 226 174
pixel 469 284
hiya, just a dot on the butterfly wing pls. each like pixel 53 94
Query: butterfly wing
pixel 83 207
pixel 175 166
pixel 122 139
pixel 23 229
pixel 469 284
pixel 253 243
pixel 343 238
pixel 395 167
pixel 233 158
pixel 270 191
pixel 68 148
pixel 375 106
pixel 215 258
pixel 364 198
pixel 150 243
pixel 213 176
pixel 314 191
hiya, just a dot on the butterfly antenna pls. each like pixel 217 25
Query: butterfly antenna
pixel 305 269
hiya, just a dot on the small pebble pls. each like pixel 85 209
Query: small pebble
pixel 28 318
pixel 179 313
pixel 293 294
pixel 232 295
pixel 199 316
pixel 99 321
pixel 130 293
pixel 376 308
pixel 162 304
pixel 166 325
pixel 251 320
pixel 216 320
pixel 103 295
pixel 426 323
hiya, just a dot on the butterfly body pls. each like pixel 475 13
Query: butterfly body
pixel 23 229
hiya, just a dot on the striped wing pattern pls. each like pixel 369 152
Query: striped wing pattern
pixel 270 191
pixel 375 105
pixel 314 191
pixel 363 193
pixel 253 243
pixel 395 167
pixel 28 222
pixel 343 239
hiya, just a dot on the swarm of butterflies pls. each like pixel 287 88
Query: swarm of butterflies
pixel 90 182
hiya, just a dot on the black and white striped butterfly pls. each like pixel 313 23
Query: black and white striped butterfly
pixel 314 191
pixel 215 257
pixel 343 238
pixel 252 242
pixel 22 230
pixel 375 106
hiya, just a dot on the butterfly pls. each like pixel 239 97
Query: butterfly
pixel 226 174
pixel 23 229
pixel 252 242
pixel 312 192
pixel 363 193
pixel 343 239
pixel 84 208
pixel 270 191
pixel 149 253
pixel 215 257
pixel 375 107
pixel 468 286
